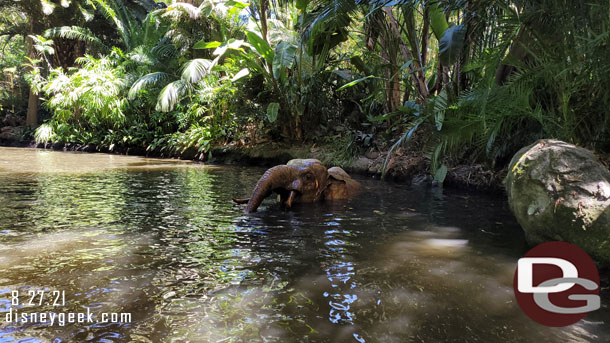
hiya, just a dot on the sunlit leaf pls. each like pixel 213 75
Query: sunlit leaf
pixel 236 4
pixel 260 46
pixel 353 83
pixel 47 7
pixel 242 73
pixel 202 44
pixel 232 43
pixel 196 69
pixel 170 95
pixel 73 32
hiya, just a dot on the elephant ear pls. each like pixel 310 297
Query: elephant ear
pixel 338 174
pixel 342 185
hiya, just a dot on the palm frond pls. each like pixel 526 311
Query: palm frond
pixel 177 10
pixel 164 49
pixel 196 69
pixel 111 15
pixel 87 14
pixel 170 95
pixel 145 81
pixel 47 6
pixel 73 32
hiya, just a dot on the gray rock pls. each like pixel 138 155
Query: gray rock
pixel 361 165
pixel 561 192
pixel 13 120
pixel 11 133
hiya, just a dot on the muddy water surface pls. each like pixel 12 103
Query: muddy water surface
pixel 160 240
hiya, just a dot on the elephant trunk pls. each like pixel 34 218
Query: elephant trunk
pixel 274 178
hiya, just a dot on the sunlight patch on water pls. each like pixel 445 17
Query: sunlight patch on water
pixel 21 160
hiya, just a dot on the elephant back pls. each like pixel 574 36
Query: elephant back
pixel 303 162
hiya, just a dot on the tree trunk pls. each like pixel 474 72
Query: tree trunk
pixel 66 52
pixel 31 118
pixel 415 68
pixel 263 14
pixel 425 35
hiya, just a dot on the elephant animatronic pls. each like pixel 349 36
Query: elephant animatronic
pixel 302 180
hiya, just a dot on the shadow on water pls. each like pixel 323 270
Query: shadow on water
pixel 167 245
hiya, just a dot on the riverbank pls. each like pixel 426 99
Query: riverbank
pixel 403 166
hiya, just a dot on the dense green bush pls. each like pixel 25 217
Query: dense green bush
pixel 472 81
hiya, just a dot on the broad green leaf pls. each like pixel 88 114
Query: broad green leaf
pixel 237 4
pixel 272 111
pixel 355 82
pixel 235 43
pixel 439 118
pixel 232 43
pixel 260 46
pixel 302 4
pixel 441 174
pixel 242 73
pixel 438 21
pixel 451 45
pixel 284 57
pixel 206 45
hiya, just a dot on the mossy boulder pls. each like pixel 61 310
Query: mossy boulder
pixel 561 192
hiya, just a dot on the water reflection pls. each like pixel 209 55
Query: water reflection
pixel 340 272
pixel 166 244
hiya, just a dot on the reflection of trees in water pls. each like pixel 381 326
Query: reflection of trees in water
pixel 144 235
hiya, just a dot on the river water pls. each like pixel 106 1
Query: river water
pixel 162 241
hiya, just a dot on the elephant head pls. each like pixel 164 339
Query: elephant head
pixel 303 180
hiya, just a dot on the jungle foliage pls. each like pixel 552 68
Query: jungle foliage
pixel 472 80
